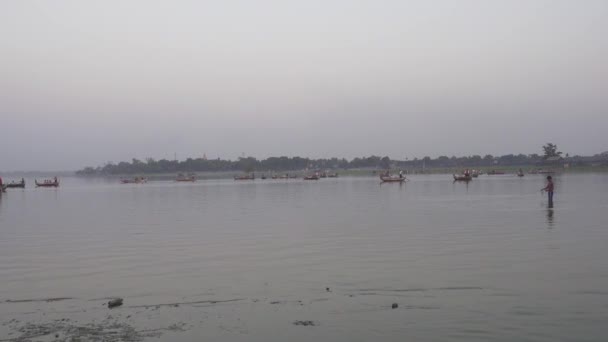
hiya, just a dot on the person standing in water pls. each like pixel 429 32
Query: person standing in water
pixel 549 189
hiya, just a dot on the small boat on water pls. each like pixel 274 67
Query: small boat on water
pixel 496 172
pixel 13 184
pixel 136 180
pixel 311 177
pixel 332 175
pixel 245 177
pixel 462 178
pixel 392 179
pixel 183 178
pixel 520 173
pixel 48 183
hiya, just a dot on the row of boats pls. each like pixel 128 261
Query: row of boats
pixel 47 183
pixel 468 175
pixel 191 177
pixel 312 176
pixel 385 177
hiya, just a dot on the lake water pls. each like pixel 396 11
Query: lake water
pixel 221 260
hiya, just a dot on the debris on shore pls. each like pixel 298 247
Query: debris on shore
pixel 305 323
pixel 114 303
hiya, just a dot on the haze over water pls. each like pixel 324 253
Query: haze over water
pixel 85 83
pixel 485 260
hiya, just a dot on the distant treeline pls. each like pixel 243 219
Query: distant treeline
pixel 251 164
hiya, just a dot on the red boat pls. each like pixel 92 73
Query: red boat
pixel 48 183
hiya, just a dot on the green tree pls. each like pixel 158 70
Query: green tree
pixel 385 163
pixel 550 150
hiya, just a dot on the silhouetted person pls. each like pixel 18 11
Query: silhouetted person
pixel 549 189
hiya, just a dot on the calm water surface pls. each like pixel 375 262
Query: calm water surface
pixel 485 261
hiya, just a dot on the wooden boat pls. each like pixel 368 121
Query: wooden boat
pixel 311 177
pixel 263 177
pixel 183 178
pixel 20 184
pixel 245 177
pixel 462 178
pixel 136 180
pixel 392 179
pixel 48 183
pixel 332 175
pixel 540 172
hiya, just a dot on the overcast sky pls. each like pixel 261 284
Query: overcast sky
pixel 86 82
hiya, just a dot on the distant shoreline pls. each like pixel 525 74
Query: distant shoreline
pixel 368 172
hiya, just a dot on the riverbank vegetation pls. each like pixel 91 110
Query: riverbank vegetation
pixel 551 158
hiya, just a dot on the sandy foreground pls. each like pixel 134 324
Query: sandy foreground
pixel 352 315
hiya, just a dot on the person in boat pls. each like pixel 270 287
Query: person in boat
pixel 401 174
pixel 549 189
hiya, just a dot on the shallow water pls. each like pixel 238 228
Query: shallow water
pixel 487 260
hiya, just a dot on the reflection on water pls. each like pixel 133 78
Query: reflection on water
pixel 550 213
pixel 479 252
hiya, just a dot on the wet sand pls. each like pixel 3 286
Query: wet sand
pixel 320 314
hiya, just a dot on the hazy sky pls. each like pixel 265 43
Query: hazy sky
pixel 86 82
